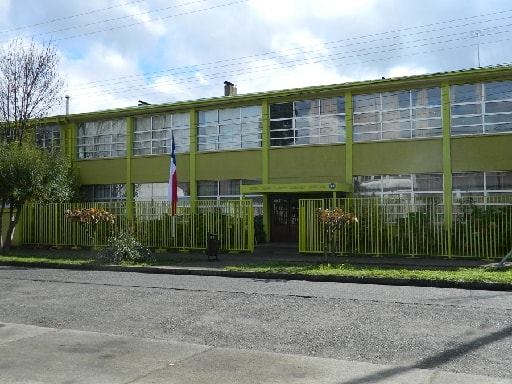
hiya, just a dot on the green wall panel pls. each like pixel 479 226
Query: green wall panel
pixel 307 164
pixel 155 169
pixel 229 165
pixel 482 153
pixel 398 157
pixel 102 171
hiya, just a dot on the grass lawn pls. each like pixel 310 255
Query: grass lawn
pixel 481 274
pixel 346 269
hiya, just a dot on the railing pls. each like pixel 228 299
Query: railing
pixel 480 227
pixel 231 220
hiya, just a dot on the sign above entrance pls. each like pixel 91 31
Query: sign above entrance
pixel 290 188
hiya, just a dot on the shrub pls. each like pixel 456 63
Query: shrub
pixel 123 247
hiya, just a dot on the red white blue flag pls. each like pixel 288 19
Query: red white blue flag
pixel 173 180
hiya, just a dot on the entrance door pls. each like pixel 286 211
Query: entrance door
pixel 284 227
pixel 285 218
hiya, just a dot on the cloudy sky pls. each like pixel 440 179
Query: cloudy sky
pixel 116 52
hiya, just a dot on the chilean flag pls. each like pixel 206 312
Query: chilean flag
pixel 173 180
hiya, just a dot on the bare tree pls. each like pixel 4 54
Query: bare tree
pixel 30 86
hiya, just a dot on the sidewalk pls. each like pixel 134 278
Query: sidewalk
pixel 30 354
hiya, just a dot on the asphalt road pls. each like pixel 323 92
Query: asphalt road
pixel 448 329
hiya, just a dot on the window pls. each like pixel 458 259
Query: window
pixel 160 191
pixel 230 128
pixel 153 134
pixel 424 184
pixel 48 136
pixel 481 183
pixel 105 192
pixel 395 115
pixel 228 190
pixel 481 108
pixel 101 139
pixel 320 121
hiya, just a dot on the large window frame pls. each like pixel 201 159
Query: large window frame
pixel 481 108
pixel 403 114
pixel 229 128
pixel 47 137
pixel 101 139
pixel 307 122
pixel 152 134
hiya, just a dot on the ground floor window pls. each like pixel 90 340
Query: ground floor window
pixel 425 184
pixel 481 183
pixel 105 192
pixel 228 190
pixel 160 191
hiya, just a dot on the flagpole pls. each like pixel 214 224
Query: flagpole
pixel 173 179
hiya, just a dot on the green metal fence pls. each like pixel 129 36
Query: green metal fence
pixel 479 227
pixel 231 220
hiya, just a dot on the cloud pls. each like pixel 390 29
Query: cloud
pixel 117 51
pixel 295 10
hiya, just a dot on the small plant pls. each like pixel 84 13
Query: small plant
pixel 123 247
pixel 259 233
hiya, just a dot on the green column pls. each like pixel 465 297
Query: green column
pixel 447 164
pixel 129 155
pixel 349 138
pixel 192 157
pixel 265 147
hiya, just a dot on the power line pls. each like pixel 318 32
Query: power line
pixel 346 43
pixel 131 24
pixel 70 17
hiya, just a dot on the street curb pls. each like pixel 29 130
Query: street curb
pixel 486 286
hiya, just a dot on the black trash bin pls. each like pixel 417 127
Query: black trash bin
pixel 212 246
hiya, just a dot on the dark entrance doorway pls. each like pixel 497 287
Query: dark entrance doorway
pixel 284 210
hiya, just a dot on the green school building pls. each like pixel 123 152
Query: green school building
pixel 446 136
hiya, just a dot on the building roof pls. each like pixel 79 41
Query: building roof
pixel 463 75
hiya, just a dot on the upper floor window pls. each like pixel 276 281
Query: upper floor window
pixel 481 108
pixel 48 136
pixel 319 121
pixel 230 128
pixel 100 139
pixel 394 115
pixel 152 134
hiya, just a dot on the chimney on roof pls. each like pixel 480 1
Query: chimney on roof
pixel 229 89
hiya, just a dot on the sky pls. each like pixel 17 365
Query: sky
pixel 114 53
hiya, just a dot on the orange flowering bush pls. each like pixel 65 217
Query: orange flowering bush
pixel 90 217
pixel 333 220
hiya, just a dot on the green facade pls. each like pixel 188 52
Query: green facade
pixel 302 169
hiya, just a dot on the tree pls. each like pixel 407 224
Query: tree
pixel 28 174
pixel 30 86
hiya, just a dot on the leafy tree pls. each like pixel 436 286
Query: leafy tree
pixel 30 86
pixel 28 174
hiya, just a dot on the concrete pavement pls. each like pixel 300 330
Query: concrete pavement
pixel 36 355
